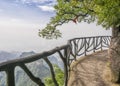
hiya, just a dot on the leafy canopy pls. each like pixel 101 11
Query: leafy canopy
pixel 104 12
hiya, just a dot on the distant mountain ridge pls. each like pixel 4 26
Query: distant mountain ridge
pixel 4 56
pixel 24 54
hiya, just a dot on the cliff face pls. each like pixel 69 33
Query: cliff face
pixel 91 70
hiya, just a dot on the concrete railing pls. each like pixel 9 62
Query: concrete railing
pixel 67 53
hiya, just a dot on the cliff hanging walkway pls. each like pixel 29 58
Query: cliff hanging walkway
pixel 71 52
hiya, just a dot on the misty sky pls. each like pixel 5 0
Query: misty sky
pixel 20 21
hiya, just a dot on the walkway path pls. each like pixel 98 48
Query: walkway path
pixel 91 70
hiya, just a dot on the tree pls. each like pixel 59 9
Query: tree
pixel 104 12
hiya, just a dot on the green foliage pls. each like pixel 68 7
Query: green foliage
pixel 50 32
pixel 59 77
pixel 105 12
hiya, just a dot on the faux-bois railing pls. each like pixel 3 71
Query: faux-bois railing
pixel 69 52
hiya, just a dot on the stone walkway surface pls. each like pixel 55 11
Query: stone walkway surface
pixel 90 70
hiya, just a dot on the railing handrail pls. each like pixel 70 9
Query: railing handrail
pixel 87 37
pixel 72 48
pixel 31 58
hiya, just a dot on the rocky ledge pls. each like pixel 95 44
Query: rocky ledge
pixel 91 70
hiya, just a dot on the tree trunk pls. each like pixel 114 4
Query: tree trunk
pixel 114 55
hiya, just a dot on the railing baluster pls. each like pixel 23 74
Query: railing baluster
pixel 64 59
pixel 85 46
pixel 10 76
pixel 75 49
pixel 94 44
pixel 52 71
pixel 32 77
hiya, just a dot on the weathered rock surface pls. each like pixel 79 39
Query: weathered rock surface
pixel 91 70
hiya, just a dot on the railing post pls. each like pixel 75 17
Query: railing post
pixel 65 61
pixel 101 42
pixel 66 66
pixel 10 76
pixel 75 50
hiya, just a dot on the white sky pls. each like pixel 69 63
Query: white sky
pixel 23 36
pixel 19 29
